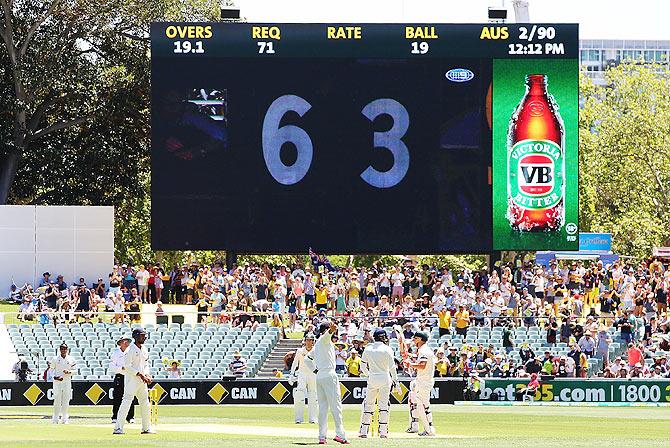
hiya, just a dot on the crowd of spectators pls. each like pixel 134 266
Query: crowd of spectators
pixel 54 300
pixel 572 302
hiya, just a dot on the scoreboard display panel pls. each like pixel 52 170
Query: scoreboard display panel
pixel 364 138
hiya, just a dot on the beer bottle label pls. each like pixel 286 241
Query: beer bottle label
pixel 535 174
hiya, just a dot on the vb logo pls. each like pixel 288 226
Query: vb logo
pixel 536 174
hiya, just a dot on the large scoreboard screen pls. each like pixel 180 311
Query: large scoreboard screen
pixel 364 138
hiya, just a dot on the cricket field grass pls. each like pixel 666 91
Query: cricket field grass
pixel 238 425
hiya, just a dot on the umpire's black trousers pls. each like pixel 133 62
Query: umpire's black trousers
pixel 118 397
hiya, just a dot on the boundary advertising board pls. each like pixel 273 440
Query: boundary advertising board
pixel 212 392
pixel 446 391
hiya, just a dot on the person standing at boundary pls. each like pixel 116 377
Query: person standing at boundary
pixel 379 365
pixel 137 378
pixel 322 361
pixel 117 367
pixel 421 387
pixel 63 366
pixel 306 386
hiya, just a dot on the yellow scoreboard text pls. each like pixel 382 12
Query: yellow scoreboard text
pixel 494 33
pixel 265 32
pixel 188 32
pixel 344 32
pixel 420 32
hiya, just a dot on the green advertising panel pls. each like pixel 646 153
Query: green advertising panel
pixel 535 159
pixel 575 390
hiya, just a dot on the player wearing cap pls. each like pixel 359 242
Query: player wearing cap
pixel 63 366
pixel 379 365
pixel 306 386
pixel 421 386
pixel 117 367
pixel 322 361
pixel 136 365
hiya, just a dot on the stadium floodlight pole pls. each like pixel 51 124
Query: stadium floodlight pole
pixel 521 14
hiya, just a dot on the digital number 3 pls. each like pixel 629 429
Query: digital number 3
pixel 391 140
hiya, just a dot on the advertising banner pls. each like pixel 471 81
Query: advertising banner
pixel 565 390
pixel 535 159
pixel 446 391
pixel 178 392
pixel 595 241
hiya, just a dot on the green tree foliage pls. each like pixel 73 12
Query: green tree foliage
pixel 624 181
pixel 370 260
pixel 454 262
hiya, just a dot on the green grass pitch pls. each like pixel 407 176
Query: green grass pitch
pixel 237 425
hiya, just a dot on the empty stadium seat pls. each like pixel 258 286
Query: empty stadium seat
pixel 205 350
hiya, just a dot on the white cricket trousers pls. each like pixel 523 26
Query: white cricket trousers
pixel 306 387
pixel 328 395
pixel 378 392
pixel 134 387
pixel 62 394
pixel 419 406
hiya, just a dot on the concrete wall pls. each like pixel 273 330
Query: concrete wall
pixel 73 241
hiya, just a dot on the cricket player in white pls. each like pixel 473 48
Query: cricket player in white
pixel 421 387
pixel 63 366
pixel 379 365
pixel 306 386
pixel 322 360
pixel 137 377
pixel 117 367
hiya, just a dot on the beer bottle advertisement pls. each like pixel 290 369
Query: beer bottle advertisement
pixel 535 158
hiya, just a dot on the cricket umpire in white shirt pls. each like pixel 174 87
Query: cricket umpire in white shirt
pixel 63 366
pixel 137 377
pixel 421 387
pixel 322 361
pixel 306 386
pixel 117 368
pixel 378 364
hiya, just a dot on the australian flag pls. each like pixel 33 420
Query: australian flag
pixel 318 261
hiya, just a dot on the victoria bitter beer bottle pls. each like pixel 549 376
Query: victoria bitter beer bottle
pixel 536 161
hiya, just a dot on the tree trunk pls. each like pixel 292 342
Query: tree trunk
pixel 8 168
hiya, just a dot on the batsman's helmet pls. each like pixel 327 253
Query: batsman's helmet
pixel 380 335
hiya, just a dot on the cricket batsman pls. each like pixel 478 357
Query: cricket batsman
pixel 379 365
pixel 137 377
pixel 306 386
pixel 421 387
pixel 63 366
pixel 322 361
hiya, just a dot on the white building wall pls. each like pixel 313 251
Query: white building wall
pixel 74 241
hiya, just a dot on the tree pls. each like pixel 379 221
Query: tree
pixel 74 105
pixel 455 263
pixel 75 95
pixel 624 180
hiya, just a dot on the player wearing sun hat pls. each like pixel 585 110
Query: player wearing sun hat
pixel 63 366
pixel 306 383
pixel 116 367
